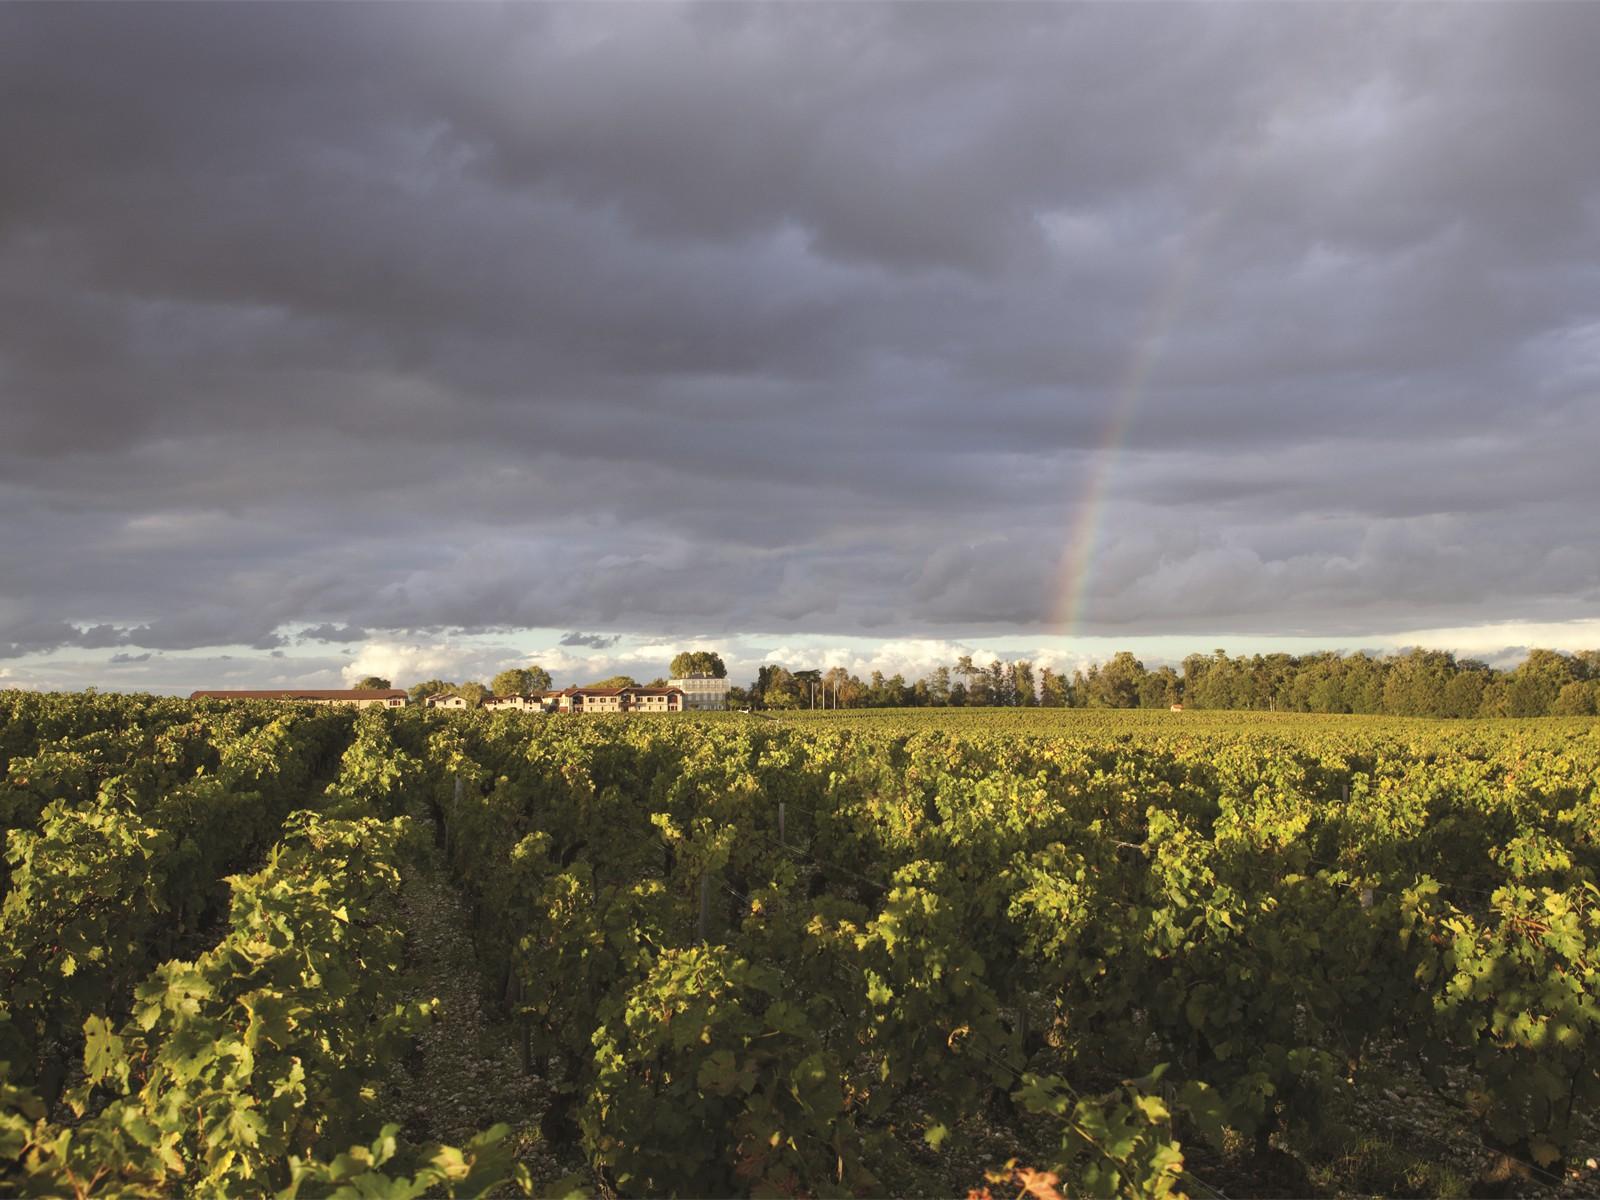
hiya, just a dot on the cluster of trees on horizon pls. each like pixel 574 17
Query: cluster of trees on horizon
pixel 1415 683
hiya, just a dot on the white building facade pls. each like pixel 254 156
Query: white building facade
pixel 702 692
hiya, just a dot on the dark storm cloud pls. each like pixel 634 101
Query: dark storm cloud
pixel 316 321
pixel 596 641
pixel 329 632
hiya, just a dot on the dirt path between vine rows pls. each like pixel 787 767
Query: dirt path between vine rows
pixel 467 1074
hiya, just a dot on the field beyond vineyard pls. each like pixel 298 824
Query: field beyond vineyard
pixel 253 949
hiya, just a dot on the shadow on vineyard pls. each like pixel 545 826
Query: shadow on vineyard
pixel 1075 953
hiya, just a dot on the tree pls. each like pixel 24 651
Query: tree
pixel 1415 682
pixel 1000 690
pixel 616 681
pixel 1078 693
pixel 841 692
pixel 433 687
pixel 520 681
pixel 373 683
pixel 473 693
pixel 1213 682
pixel 979 693
pixel 897 691
pixel 1533 687
pixel 1575 699
pixel 808 684
pixel 878 691
pixel 1494 699
pixel 1159 689
pixel 693 663
pixel 1022 684
pixel 1363 684
pixel 1052 689
pixel 776 687
pixel 1116 685
pixel 1463 695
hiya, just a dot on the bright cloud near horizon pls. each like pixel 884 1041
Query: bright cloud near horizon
pixel 427 340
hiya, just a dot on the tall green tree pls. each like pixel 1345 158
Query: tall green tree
pixel 1463 695
pixel 1053 689
pixel 1532 689
pixel 692 663
pixel 1159 689
pixel 1001 693
pixel 1576 699
pixel 1116 684
pixel 777 687
pixel 374 683
pixel 473 693
pixel 432 687
pixel 1022 686
pixel 520 681
pixel 809 685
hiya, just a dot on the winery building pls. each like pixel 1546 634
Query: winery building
pixel 614 700
pixel 702 692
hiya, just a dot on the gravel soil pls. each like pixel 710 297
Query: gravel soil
pixel 466 1073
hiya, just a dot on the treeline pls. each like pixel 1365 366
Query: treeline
pixel 1417 683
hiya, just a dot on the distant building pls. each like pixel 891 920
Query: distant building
pixel 357 697
pixel 446 700
pixel 702 692
pixel 1177 708
pixel 533 703
pixel 614 700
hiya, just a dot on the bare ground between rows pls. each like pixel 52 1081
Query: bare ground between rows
pixel 466 1073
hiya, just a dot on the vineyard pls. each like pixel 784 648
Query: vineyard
pixel 243 949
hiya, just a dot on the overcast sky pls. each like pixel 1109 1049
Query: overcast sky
pixel 337 337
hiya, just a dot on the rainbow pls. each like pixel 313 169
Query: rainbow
pixel 1077 563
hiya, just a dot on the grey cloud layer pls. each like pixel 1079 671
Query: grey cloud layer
pixel 316 321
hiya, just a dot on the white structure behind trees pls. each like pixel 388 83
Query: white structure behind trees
pixel 702 692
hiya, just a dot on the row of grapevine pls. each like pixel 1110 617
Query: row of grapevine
pixel 103 886
pixel 950 928
pixel 258 1065
pixel 29 720
pixel 847 955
